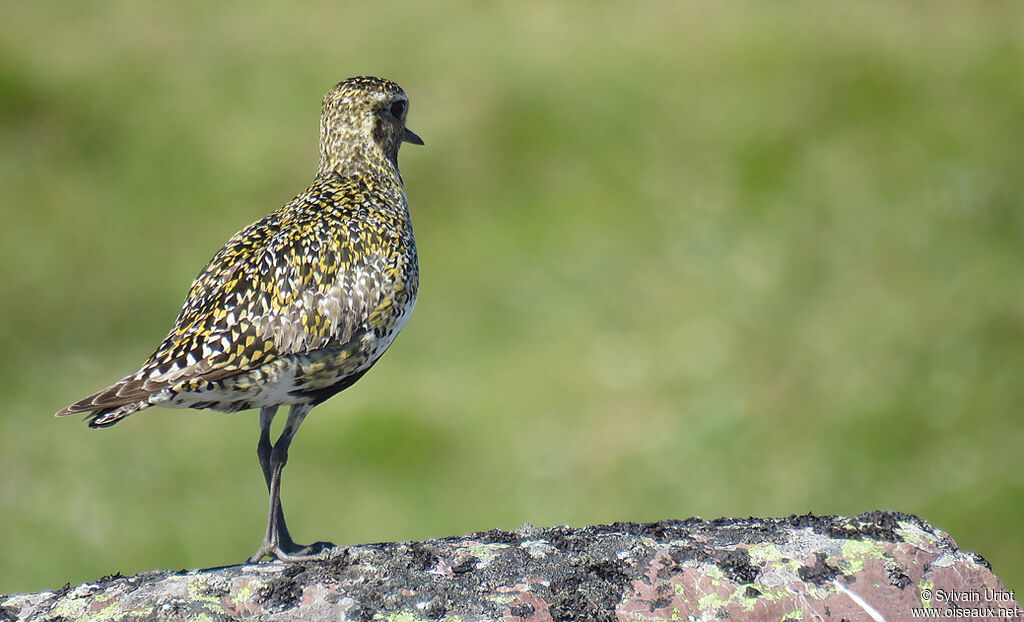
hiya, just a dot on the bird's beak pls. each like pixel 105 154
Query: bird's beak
pixel 411 137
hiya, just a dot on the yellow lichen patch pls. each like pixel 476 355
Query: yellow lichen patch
pixel 913 534
pixel 856 552
pixel 486 552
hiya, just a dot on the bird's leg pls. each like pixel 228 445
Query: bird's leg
pixel 277 542
pixel 263 451
pixel 264 447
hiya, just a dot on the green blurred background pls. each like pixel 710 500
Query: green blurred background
pixel 677 259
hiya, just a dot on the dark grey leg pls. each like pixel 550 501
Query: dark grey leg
pixel 263 451
pixel 278 542
pixel 264 447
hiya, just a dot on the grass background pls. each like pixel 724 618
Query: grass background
pixel 677 259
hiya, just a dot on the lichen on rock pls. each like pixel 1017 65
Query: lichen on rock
pixel 878 565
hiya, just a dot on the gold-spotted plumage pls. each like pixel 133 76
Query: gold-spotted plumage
pixel 300 304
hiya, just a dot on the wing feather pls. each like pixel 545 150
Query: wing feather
pixel 290 283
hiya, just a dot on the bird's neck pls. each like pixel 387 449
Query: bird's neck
pixel 347 155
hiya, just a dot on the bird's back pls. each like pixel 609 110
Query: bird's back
pixel 292 309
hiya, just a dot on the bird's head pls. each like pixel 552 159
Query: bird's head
pixel 363 125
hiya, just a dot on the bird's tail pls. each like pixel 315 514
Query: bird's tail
pixel 109 416
pixel 105 408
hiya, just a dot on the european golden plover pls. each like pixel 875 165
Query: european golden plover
pixel 299 305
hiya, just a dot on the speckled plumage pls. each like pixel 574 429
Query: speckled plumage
pixel 298 305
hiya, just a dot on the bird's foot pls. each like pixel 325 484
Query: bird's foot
pixel 291 552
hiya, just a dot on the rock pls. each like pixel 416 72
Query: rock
pixel 875 566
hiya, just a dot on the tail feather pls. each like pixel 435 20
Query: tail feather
pixel 109 416
pixel 120 393
pixel 107 407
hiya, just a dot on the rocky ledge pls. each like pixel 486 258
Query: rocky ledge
pixel 874 566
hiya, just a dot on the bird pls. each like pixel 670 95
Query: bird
pixel 299 305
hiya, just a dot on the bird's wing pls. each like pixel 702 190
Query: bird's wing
pixel 188 349
pixel 291 283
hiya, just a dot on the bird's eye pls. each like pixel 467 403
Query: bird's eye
pixel 398 109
